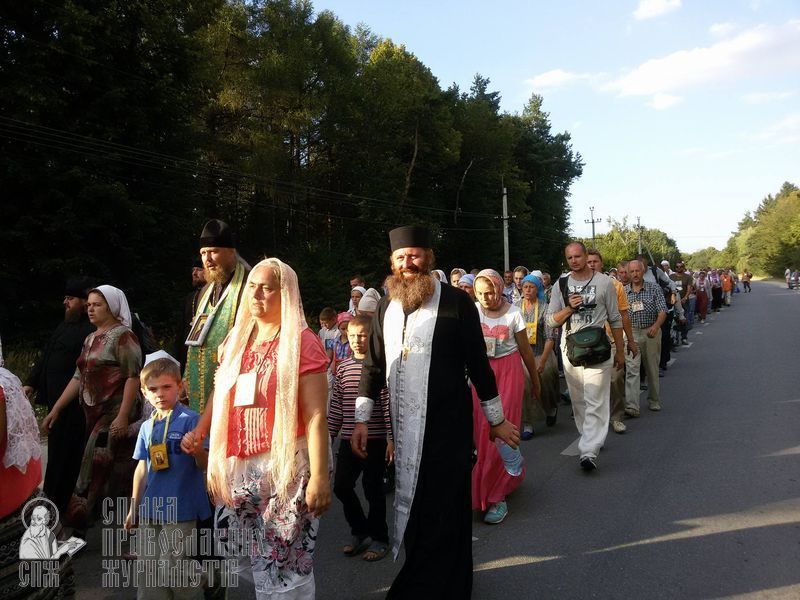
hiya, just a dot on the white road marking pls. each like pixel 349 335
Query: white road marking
pixel 572 449
pixel 698 333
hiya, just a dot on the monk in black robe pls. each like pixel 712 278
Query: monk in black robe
pixel 425 339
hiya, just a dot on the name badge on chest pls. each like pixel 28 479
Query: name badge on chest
pixel 245 389
pixel 637 305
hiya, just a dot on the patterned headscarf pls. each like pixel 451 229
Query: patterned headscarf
pixel 539 286
pixel 496 280
pixel 293 322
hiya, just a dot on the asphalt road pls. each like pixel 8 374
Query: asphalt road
pixel 700 500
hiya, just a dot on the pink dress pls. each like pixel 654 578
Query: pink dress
pixel 490 481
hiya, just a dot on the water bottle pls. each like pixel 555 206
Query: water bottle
pixel 513 461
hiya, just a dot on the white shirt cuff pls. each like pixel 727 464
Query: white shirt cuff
pixel 363 409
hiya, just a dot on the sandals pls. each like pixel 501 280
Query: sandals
pixel 376 551
pixel 357 545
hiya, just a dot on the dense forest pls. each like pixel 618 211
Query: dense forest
pixel 125 124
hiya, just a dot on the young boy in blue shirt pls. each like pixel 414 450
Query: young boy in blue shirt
pixel 169 491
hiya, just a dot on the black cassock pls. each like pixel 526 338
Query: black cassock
pixel 438 537
pixel 67 438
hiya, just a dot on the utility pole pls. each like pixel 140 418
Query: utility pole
pixel 639 233
pixel 505 230
pixel 592 221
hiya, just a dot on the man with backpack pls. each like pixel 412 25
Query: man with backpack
pixel 584 301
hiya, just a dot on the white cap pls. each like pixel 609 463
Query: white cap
pixel 537 272
pixel 159 354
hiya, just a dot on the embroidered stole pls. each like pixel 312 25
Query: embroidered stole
pixel 201 361
pixel 408 365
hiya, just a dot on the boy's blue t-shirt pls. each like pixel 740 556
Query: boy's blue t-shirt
pixel 178 492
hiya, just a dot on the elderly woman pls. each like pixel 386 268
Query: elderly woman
pixel 542 340
pixel 467 283
pixel 506 342
pixel 269 457
pixel 107 383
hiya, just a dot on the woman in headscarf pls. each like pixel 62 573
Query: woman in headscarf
pixel 702 288
pixel 107 383
pixel 542 339
pixel 506 341
pixel 456 275
pixel 439 274
pixel 269 452
pixel 355 297
pixel 467 283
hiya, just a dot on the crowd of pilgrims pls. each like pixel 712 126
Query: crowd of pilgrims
pixel 133 395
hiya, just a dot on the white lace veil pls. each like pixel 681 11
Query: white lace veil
pixel 23 433
pixel 284 432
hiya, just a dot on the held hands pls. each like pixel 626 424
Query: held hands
pixel 318 495
pixel 358 441
pixel 507 432
pixel 192 442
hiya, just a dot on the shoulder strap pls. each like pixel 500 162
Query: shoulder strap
pixel 562 284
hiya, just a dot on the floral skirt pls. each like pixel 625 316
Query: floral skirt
pixel 277 536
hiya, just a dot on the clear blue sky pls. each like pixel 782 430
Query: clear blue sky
pixel 686 112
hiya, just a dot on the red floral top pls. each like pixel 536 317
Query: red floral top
pixel 106 362
pixel 250 427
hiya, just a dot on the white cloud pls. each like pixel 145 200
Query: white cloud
pixel 766 97
pixel 757 50
pixel 722 29
pixel 649 9
pixel 555 79
pixel 785 131
pixel 663 101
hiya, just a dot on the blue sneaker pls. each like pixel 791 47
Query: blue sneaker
pixel 496 513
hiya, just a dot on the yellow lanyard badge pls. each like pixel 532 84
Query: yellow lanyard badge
pixel 533 325
pixel 158 452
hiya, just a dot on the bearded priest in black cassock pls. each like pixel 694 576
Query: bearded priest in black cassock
pixel 425 340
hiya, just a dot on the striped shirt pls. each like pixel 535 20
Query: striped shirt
pixel 341 414
pixel 644 305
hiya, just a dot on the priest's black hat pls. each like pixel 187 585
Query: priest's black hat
pixel 78 287
pixel 410 236
pixel 217 234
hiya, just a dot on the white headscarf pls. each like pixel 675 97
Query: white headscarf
pixel 117 303
pixel 359 288
pixel 284 431
pixel 22 432
pixel 441 276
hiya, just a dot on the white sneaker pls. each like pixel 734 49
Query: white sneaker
pixel 618 427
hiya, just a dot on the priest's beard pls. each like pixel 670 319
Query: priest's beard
pixel 218 274
pixel 412 290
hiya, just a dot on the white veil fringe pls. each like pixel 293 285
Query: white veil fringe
pixel 231 351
